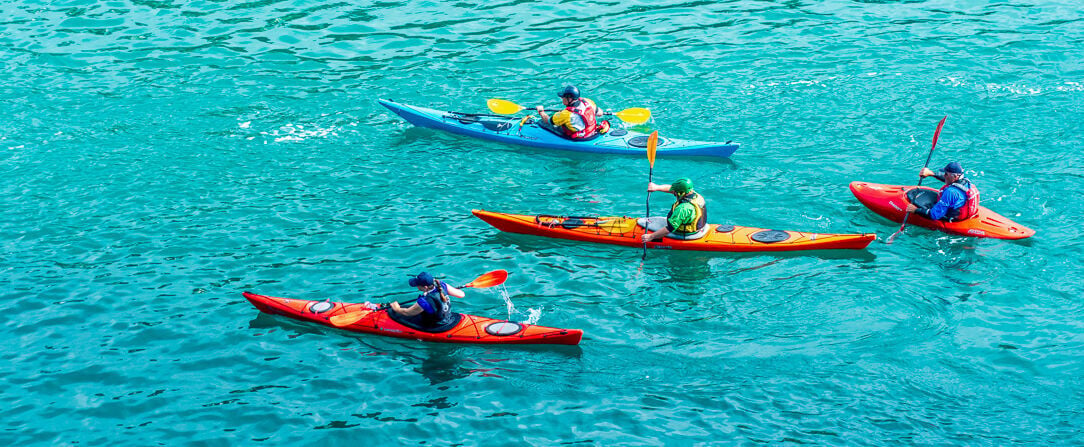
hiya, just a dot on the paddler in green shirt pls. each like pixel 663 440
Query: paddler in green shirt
pixel 688 216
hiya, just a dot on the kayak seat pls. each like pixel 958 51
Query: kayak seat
pixel 656 223
pixel 416 324
pixel 922 198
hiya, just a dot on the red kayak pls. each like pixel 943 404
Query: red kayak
pixel 891 202
pixel 464 329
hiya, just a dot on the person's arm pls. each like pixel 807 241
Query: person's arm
pixel 542 113
pixel 660 233
pixel 926 172
pixel 408 312
pixel 454 291
pixel 651 187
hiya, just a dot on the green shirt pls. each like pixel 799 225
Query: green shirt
pixel 683 214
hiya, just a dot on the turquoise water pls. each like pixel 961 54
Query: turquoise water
pixel 159 158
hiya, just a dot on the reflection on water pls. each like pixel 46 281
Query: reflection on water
pixel 440 363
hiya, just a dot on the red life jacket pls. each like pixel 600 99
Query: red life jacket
pixel 971 207
pixel 585 108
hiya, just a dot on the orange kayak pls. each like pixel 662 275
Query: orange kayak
pixel 625 231
pixel 468 328
pixel 891 202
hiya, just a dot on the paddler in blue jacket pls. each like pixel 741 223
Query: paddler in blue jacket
pixel 958 199
pixel 433 308
pixel 579 119
pixel 688 216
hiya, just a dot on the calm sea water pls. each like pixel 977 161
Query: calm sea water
pixel 159 158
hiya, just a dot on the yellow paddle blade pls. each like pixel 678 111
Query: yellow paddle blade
pixel 635 115
pixel 488 279
pixel 503 107
pixel 652 144
pixel 349 318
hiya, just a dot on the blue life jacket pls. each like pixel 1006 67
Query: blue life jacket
pixel 435 309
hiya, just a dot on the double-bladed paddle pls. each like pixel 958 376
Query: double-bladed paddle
pixel 634 115
pixel 652 144
pixel 488 279
pixel 920 178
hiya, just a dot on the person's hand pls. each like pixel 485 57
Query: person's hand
pixel 646 238
pixel 651 187
pixel 911 208
pixel 540 109
pixel 926 172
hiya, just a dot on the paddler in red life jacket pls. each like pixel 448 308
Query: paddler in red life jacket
pixel 688 216
pixel 958 199
pixel 433 308
pixel 579 119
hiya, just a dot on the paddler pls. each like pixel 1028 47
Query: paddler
pixel 688 216
pixel 579 119
pixel 958 199
pixel 433 308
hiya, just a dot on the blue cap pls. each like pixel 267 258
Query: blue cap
pixel 423 279
pixel 954 168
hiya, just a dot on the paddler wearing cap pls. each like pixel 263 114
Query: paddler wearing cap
pixel 579 119
pixel 958 199
pixel 688 216
pixel 433 308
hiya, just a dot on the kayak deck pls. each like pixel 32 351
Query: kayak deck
pixel 626 231
pixel 510 130
pixel 469 329
pixel 890 201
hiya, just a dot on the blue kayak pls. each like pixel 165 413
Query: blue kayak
pixel 510 130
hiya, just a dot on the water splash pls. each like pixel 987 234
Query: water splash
pixel 533 314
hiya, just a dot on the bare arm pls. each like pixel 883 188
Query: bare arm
pixel 456 292
pixel 651 187
pixel 648 237
pixel 542 113
pixel 408 312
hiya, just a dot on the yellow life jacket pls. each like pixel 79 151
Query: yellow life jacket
pixel 700 219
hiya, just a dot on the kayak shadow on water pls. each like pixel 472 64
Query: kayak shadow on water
pixel 441 363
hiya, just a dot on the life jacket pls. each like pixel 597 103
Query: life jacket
pixel 436 310
pixel 701 216
pixel 585 108
pixel 971 207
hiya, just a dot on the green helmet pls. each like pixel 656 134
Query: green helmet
pixel 681 186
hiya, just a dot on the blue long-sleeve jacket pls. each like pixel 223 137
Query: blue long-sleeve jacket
pixel 951 199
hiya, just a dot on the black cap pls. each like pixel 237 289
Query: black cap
pixel 570 91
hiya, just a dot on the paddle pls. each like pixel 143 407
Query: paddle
pixel 634 115
pixel 488 279
pixel 936 133
pixel 652 143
